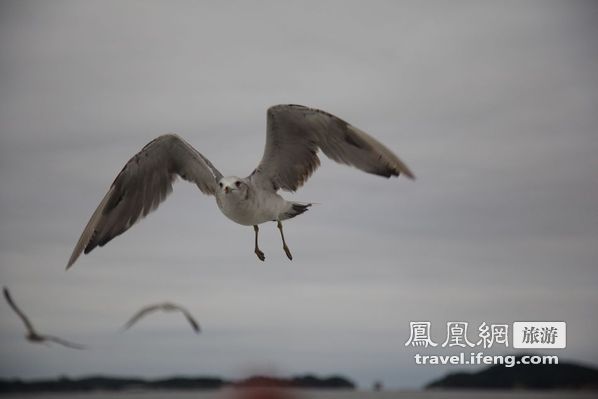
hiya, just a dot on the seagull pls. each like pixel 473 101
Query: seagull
pixel 165 307
pixel 294 135
pixel 32 335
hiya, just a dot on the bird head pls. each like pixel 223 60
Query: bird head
pixel 232 185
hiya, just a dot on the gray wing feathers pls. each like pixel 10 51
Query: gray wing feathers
pixel 18 311
pixel 295 134
pixel 191 320
pixel 140 314
pixel 143 183
pixel 63 342
pixel 163 306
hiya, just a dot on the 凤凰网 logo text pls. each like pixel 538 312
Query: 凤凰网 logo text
pixel 519 334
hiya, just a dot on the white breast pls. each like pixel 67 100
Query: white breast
pixel 256 209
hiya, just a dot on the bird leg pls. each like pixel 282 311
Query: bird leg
pixel 284 244
pixel 259 253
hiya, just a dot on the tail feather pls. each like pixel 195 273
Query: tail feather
pixel 296 209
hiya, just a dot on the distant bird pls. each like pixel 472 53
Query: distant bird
pixel 294 135
pixel 165 307
pixel 32 335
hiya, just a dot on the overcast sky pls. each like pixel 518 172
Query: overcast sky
pixel 493 105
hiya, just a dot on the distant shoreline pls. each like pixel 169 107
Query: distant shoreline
pixel 561 376
pixel 203 383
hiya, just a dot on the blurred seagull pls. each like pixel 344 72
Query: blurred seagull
pixel 33 335
pixel 294 135
pixel 165 307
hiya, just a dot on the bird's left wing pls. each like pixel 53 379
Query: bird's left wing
pixel 190 319
pixel 143 183
pixel 295 134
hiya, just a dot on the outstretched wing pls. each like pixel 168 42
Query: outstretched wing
pixel 295 134
pixel 190 319
pixel 18 311
pixel 142 185
pixel 63 342
pixel 144 311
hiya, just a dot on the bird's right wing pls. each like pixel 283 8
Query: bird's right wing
pixel 18 311
pixel 144 311
pixel 142 185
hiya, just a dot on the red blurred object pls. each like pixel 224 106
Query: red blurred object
pixel 262 393
pixel 264 387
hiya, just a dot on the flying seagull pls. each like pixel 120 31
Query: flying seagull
pixel 165 307
pixel 294 135
pixel 32 335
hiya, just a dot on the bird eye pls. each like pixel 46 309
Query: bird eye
pixel 238 183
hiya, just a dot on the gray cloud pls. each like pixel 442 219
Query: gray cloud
pixel 491 104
